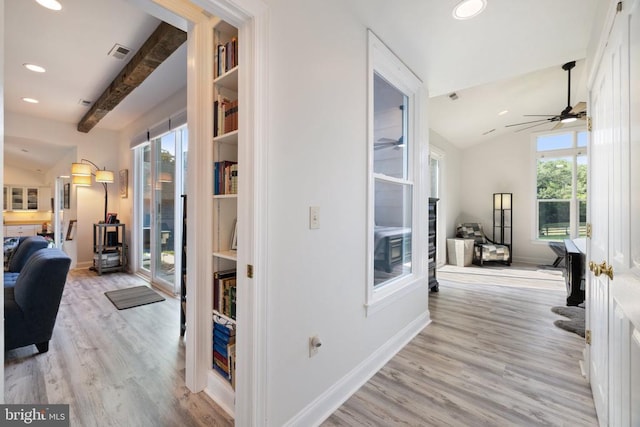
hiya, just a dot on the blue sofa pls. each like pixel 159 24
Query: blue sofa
pixel 31 306
pixel 26 247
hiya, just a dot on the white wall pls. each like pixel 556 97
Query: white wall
pixel 318 157
pixel 505 164
pixel 99 146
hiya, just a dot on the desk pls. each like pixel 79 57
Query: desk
pixel 460 251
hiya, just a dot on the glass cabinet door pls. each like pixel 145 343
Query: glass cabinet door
pixel 32 199
pixel 16 198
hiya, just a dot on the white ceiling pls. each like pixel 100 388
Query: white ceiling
pixel 73 45
pixel 509 57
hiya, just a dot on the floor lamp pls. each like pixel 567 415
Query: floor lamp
pixel 81 175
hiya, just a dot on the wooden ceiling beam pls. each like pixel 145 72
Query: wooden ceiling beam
pixel 158 47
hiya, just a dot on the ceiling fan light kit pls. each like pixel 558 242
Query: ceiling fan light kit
pixel 569 114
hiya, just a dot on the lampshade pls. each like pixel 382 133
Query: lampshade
pixel 80 169
pixel 104 176
pixel 501 201
pixel 81 180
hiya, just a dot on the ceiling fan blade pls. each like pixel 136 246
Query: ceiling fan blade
pixel 386 140
pixel 529 127
pixel 580 107
pixel 526 123
pixel 538 115
pixel 558 125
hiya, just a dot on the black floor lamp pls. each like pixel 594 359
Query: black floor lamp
pixel 81 175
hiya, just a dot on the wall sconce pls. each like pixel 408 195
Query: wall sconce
pixel 81 175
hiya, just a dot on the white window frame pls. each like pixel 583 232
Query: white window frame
pixel 573 153
pixel 382 61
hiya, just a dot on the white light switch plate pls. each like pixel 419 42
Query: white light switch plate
pixel 314 217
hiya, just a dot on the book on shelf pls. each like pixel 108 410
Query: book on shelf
pixel 225 115
pixel 217 277
pixel 224 177
pixel 226 56
pixel 224 339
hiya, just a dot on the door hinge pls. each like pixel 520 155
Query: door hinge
pixel 250 271
pixel 619 7
pixel 589 230
pixel 587 336
pixel 589 127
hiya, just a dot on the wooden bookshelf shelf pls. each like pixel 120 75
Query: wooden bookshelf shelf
pixel 227 138
pixel 230 255
pixel 228 80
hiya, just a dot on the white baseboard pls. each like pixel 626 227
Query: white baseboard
pixel 329 401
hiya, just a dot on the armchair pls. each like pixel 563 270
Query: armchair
pixel 31 306
pixel 26 247
pixel 484 249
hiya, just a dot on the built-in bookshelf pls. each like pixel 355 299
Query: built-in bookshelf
pixel 225 173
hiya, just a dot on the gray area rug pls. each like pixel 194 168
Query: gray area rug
pixel 575 323
pixel 133 297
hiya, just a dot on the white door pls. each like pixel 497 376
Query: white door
pixel 598 295
pixel 609 244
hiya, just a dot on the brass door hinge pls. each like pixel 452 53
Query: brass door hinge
pixel 589 124
pixel 589 230
pixel 587 336
pixel 250 271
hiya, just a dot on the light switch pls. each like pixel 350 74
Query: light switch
pixel 314 217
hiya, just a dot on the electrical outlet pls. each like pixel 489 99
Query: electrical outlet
pixel 314 217
pixel 314 345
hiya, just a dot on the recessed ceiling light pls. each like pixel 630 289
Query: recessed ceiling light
pixel 50 4
pixel 503 112
pixel 30 100
pixel 35 68
pixel 467 9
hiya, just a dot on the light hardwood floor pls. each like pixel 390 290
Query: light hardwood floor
pixel 490 357
pixel 114 368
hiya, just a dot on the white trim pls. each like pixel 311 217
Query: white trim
pixel 384 63
pixel 329 401
pixel 388 295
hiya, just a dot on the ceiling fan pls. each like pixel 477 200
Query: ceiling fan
pixel 388 143
pixel 568 115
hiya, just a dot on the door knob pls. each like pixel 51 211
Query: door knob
pixel 606 269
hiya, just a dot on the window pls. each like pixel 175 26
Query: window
pixel 394 204
pixel 561 178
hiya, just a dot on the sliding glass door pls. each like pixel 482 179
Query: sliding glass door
pixel 162 166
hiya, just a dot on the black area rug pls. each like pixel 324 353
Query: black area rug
pixel 133 297
pixel 575 323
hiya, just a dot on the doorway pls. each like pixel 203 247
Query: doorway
pixel 161 168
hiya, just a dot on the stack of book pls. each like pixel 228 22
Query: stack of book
pixel 225 177
pixel 225 116
pixel 224 293
pixel 226 56
pixel 224 349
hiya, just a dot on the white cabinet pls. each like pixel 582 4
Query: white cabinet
pixel 21 198
pixel 26 198
pixel 20 230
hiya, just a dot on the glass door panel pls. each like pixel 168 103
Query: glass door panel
pixel 165 197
